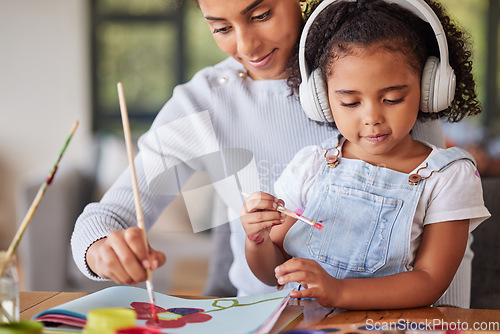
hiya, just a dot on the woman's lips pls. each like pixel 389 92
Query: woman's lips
pixel 261 62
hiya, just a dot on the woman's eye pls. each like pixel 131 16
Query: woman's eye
pixel 262 17
pixel 222 30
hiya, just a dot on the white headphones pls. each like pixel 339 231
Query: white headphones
pixel 438 78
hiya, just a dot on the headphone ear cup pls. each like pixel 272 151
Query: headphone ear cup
pixel 428 85
pixel 319 92
pixel 314 98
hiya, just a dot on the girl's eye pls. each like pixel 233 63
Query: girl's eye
pixel 349 105
pixel 394 101
pixel 262 17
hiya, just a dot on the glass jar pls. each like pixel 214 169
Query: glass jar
pixel 9 289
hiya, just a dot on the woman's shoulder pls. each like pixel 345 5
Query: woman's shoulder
pixel 219 73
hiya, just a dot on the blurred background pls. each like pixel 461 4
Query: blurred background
pixel 60 61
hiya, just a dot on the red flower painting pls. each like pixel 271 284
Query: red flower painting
pixel 169 318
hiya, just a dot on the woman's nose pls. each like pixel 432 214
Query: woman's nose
pixel 247 42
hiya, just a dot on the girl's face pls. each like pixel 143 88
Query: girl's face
pixel 260 34
pixel 374 96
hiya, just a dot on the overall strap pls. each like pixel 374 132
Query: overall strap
pixel 332 142
pixel 438 162
pixel 445 158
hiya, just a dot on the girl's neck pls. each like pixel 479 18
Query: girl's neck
pixel 405 157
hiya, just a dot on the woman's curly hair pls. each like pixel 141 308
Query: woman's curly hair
pixel 345 25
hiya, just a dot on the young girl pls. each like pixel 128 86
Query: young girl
pixel 396 211
pixel 250 107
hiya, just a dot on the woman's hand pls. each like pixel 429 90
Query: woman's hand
pixel 317 283
pixel 259 215
pixel 123 257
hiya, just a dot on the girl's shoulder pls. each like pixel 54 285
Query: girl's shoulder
pixel 299 175
pixel 452 157
pixel 450 168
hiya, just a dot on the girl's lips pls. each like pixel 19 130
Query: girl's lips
pixel 378 138
pixel 261 62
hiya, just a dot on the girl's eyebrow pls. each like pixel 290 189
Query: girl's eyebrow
pixel 243 12
pixel 387 89
pixel 346 91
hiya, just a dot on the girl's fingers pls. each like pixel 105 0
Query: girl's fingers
pixel 257 225
pixel 295 270
pixel 296 276
pixel 259 201
pixel 268 217
pixel 305 293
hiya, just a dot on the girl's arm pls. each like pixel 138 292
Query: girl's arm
pixel 265 229
pixel 438 257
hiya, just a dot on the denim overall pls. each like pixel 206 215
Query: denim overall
pixel 367 213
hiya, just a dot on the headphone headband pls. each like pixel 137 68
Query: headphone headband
pixel 442 81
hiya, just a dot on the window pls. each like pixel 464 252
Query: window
pixel 481 19
pixel 150 46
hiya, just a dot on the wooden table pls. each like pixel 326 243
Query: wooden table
pixel 317 317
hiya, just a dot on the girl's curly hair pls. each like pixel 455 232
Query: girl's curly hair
pixel 345 25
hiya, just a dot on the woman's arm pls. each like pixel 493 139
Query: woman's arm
pixel 439 255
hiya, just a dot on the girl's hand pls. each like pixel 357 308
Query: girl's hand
pixel 258 215
pixel 123 257
pixel 317 283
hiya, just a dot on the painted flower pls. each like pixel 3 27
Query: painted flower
pixel 169 318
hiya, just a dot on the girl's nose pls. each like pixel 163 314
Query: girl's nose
pixel 373 115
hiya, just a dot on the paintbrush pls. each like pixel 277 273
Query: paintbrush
pixel 34 205
pixel 137 200
pixel 31 211
pixel 294 214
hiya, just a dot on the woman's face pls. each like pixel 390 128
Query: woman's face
pixel 260 34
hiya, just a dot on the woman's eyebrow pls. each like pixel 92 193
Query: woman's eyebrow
pixel 252 6
pixel 243 12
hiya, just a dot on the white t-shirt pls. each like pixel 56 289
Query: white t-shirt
pixel 455 193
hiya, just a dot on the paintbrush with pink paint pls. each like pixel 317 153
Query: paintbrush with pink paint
pixel 295 214
pixel 298 215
